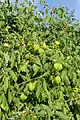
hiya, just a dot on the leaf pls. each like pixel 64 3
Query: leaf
pixel 4 104
pixel 3 118
pixel 42 1
pixel 23 68
pixel 9 96
pixel 37 61
pixel 35 69
pixel 38 91
pixel 13 75
pixel 6 79
pixel 6 56
pixel 61 115
pixel 48 93
pixel 47 19
pixel 44 85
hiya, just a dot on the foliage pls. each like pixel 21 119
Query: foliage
pixel 37 50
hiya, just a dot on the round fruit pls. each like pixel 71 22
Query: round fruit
pixel 41 51
pixel 44 46
pixel 51 77
pixel 57 80
pixel 31 86
pixel 36 47
pixel 58 66
pixel 6 44
pixel 57 42
pixel 23 97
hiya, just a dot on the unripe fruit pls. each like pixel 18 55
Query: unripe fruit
pixel 57 80
pixel 44 46
pixel 51 77
pixel 57 42
pixel 6 44
pixel 23 97
pixel 32 86
pixel 41 51
pixel 36 47
pixel 58 66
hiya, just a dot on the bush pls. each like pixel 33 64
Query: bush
pixel 39 63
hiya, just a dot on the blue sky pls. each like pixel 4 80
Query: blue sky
pixel 71 4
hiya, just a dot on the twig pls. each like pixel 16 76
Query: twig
pixel 73 99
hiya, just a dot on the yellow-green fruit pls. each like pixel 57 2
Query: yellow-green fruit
pixel 57 80
pixel 41 51
pixel 57 42
pixel 6 44
pixel 58 66
pixel 31 86
pixel 36 47
pixel 44 46
pixel 23 97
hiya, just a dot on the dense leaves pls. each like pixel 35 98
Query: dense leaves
pixel 39 62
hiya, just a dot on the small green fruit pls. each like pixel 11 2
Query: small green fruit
pixel 57 42
pixel 32 86
pixel 57 80
pixel 6 44
pixel 23 97
pixel 41 51
pixel 36 47
pixel 51 77
pixel 58 66
pixel 44 46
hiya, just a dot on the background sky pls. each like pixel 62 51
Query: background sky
pixel 71 4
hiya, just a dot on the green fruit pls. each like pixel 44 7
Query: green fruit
pixel 6 44
pixel 51 77
pixel 58 66
pixel 44 46
pixel 36 47
pixel 41 51
pixel 57 42
pixel 31 86
pixel 23 97
pixel 57 80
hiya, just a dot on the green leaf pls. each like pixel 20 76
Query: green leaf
pixel 37 61
pixel 6 80
pixel 9 96
pixel 35 69
pixel 61 115
pixel 38 90
pixel 23 68
pixel 47 19
pixel 6 56
pixel 13 75
pixel 42 1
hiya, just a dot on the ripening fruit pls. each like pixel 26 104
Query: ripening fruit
pixel 32 86
pixel 57 80
pixel 41 51
pixel 58 66
pixel 23 97
pixel 36 47
pixel 44 46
